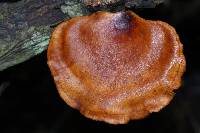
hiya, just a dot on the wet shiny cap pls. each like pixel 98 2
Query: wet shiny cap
pixel 116 67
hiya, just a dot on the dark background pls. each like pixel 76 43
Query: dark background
pixel 29 102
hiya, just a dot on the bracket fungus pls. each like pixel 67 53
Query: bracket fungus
pixel 116 67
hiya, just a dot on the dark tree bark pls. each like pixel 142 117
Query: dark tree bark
pixel 25 25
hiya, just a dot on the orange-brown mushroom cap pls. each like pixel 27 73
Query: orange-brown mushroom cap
pixel 115 67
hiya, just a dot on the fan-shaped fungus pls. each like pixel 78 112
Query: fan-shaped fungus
pixel 115 67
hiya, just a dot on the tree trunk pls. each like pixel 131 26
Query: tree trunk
pixel 25 25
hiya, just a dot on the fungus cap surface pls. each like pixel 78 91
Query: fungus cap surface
pixel 116 67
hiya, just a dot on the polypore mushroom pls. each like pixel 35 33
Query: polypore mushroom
pixel 116 67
